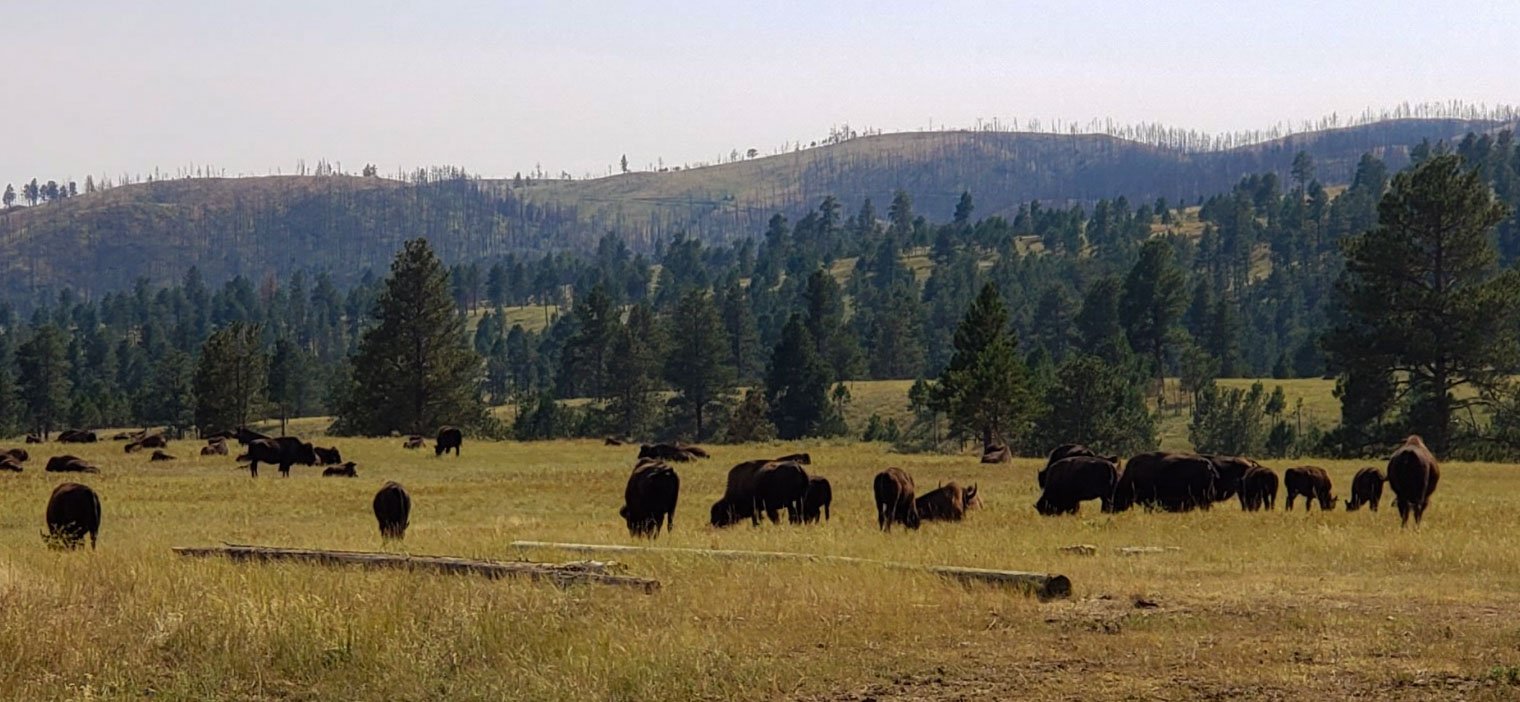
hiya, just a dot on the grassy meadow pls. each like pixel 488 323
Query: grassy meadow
pixel 1252 606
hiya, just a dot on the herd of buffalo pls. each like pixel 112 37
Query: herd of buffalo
pixel 1072 474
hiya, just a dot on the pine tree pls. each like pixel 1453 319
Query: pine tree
pixel 288 379
pixel 1153 299
pixel 172 391
pixel 231 377
pixel 985 389
pixel 584 363
pixel 743 333
pixel 1095 404
pixel 44 378
pixel 414 370
pixel 1097 322
pixel 633 374
pixel 695 365
pixel 826 325
pixel 1424 303
pixel 797 384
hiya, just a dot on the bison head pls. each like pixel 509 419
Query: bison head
pixel 972 498
pixel 724 514
pixel 306 455
pixel 1327 502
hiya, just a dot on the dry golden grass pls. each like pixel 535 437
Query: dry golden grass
pixel 1256 606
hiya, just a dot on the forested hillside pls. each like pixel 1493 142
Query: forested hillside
pixel 96 240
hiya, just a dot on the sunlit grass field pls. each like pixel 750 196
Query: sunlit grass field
pixel 1254 606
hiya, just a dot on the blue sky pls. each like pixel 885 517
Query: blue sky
pixel 108 87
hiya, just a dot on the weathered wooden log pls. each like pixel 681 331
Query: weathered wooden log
pixel 558 574
pixel 1043 585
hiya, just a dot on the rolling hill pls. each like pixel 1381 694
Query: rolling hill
pixel 264 226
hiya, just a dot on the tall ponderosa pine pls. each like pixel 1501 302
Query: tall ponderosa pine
pixel 797 384
pixel 985 389
pixel 230 378
pixel 414 369
pixel 743 332
pixel 826 325
pixel 584 361
pixel 288 379
pixel 1152 303
pixel 44 378
pixel 695 365
pixel 1095 404
pixel 633 374
pixel 1425 304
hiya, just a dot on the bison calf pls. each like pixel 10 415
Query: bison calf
pixel 1313 483
pixel 894 499
pixel 393 510
pixel 781 486
pixel 160 456
pixel 72 512
pixel 347 470
pixel 1366 489
pixel 649 499
pixel 817 500
pixel 327 456
pixel 1258 489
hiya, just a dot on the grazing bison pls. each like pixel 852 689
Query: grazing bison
pixel 1175 482
pixel 1069 481
pixel 33 439
pixel 76 436
pixel 946 503
pixel 449 439
pixel 327 456
pixel 738 500
pixel 817 500
pixel 414 442
pixel 1366 489
pixel 1258 489
pixel 894 499
pixel 246 436
pixel 160 456
pixel 9 464
pixel 1229 471
pixel 781 486
pixel 1413 474
pixel 18 455
pixel 649 499
pixel 393 510
pixel 1313 483
pixel 347 470
pixel 73 510
pixel 284 452
pixel 69 464
pixel 1065 451
pixel 665 452
pixel 802 458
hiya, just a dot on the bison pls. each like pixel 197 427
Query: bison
pixel 153 441
pixel 160 456
pixel 76 436
pixel 246 436
pixel 1258 489
pixel 1229 470
pixel 649 499
pixel 817 500
pixel 449 439
pixel 781 486
pixel 69 464
pixel 1065 451
pixel 738 500
pixel 9 464
pixel 613 441
pixel 33 439
pixel 666 452
pixel 19 455
pixel 1313 483
pixel 284 452
pixel 894 499
pixel 802 458
pixel 73 511
pixel 996 453
pixel 222 435
pixel 347 470
pixel 214 448
pixel 1413 474
pixel 414 442
pixel 946 503
pixel 327 456
pixel 1366 489
pixel 1069 481
pixel 694 451
pixel 1175 482
pixel 393 510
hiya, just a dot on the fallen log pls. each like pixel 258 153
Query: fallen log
pixel 1043 585
pixel 558 574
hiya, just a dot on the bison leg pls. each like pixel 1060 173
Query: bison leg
pixel 1290 502
pixel 253 468
pixel 1403 512
pixel 285 470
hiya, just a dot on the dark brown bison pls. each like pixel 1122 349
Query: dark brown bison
pixel 327 456
pixel 1413 474
pixel 611 441
pixel 1069 481
pixel 18 455
pixel 649 499
pixel 153 441
pixel 946 503
pixel 781 486
pixel 220 435
pixel 894 499
pixel 284 452
pixel 76 436
pixel 817 500
pixel 996 453
pixel 33 439
pixel 1258 489
pixel 414 442
pixel 124 436
pixel 802 458
pixel 1313 483
pixel 694 451
pixel 393 510
pixel 246 436
pixel 214 448
pixel 738 500
pixel 160 456
pixel 69 464
pixel 449 439
pixel 1366 489
pixel 73 510
pixel 1065 451
pixel 1229 469
pixel 347 470
pixel 1175 482
pixel 665 452
pixel 9 465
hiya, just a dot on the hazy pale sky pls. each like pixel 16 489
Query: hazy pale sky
pixel 250 87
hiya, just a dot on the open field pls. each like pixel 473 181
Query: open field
pixel 1253 606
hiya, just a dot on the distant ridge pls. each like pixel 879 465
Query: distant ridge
pixel 270 226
